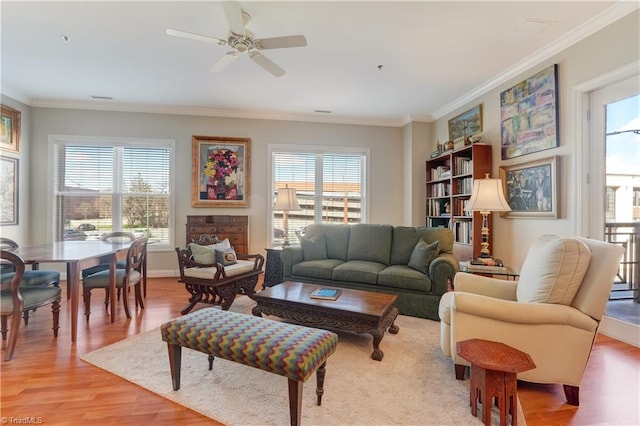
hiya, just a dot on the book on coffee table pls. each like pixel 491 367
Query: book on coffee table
pixel 326 293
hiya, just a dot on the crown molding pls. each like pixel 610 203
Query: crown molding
pixel 607 17
pixel 214 112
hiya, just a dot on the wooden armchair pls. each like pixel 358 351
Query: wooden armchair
pixel 212 282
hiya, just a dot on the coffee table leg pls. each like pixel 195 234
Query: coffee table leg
pixel 377 338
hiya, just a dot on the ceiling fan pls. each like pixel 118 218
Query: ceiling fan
pixel 243 41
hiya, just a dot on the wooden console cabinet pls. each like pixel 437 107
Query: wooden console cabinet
pixel 235 228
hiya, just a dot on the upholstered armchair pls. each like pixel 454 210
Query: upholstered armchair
pixel 552 312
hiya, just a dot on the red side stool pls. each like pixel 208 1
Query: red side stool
pixel 494 369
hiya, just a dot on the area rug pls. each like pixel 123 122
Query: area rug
pixel 413 385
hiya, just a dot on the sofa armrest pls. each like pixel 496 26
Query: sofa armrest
pixel 441 271
pixel 507 311
pixel 485 286
pixel 290 256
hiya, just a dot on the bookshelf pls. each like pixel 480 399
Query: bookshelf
pixel 449 182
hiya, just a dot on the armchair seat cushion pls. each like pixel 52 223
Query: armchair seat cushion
pixel 240 267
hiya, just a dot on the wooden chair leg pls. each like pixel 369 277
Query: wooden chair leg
pixel 25 316
pixel 3 327
pixel 86 295
pixel 13 336
pixel 139 297
pixel 125 300
pixel 55 309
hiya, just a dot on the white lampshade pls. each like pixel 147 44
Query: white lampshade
pixel 286 200
pixel 487 196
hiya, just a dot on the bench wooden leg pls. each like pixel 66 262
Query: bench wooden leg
pixel 175 358
pixel 320 372
pixel 295 401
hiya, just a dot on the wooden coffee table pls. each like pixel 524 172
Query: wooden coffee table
pixel 354 310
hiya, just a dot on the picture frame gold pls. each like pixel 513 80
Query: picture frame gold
pixel 468 123
pixel 532 189
pixel 10 129
pixel 9 173
pixel 220 171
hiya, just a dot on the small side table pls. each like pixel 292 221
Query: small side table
pixel 273 267
pixel 494 369
pixel 509 272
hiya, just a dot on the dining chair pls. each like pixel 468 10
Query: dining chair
pixel 34 277
pixel 130 276
pixel 110 236
pixel 16 298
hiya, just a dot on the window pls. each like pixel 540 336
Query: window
pixel 610 204
pixel 102 185
pixel 329 182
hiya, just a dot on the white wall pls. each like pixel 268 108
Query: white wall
pixel 385 144
pixel 613 47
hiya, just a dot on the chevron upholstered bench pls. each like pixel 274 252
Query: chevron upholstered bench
pixel 289 350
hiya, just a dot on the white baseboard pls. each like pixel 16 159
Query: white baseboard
pixel 620 330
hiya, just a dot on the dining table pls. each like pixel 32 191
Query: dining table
pixel 78 255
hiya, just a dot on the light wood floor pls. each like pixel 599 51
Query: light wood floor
pixel 47 379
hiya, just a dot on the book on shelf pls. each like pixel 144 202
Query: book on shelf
pixel 326 293
pixel 468 266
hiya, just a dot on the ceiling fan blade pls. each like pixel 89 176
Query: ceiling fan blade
pixel 281 42
pixel 234 17
pixel 267 64
pixel 224 61
pixel 193 36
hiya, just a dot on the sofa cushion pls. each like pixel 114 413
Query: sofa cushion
pixel 337 238
pixel 226 257
pixel 402 243
pixel 207 254
pixel 322 269
pixel 370 242
pixel 359 271
pixel 314 248
pixel 401 276
pixel 444 236
pixel 553 270
pixel 422 255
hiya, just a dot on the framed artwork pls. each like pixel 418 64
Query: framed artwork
pixel 9 191
pixel 220 171
pixel 529 115
pixel 468 123
pixel 10 129
pixel 531 188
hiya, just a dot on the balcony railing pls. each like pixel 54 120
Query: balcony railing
pixel 626 234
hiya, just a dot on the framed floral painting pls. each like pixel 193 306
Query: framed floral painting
pixel 220 171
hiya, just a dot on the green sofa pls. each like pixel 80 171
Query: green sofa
pixel 377 258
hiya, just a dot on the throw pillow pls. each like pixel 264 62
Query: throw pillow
pixel 553 270
pixel 226 256
pixel 202 254
pixel 314 248
pixel 422 255
pixel 207 254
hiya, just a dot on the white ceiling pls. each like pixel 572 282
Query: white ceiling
pixel 435 56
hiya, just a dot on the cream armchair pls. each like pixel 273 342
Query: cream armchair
pixel 552 312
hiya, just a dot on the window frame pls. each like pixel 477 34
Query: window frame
pixel 106 141
pixel 316 149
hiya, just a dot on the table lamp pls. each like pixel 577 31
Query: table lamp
pixel 487 197
pixel 286 200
